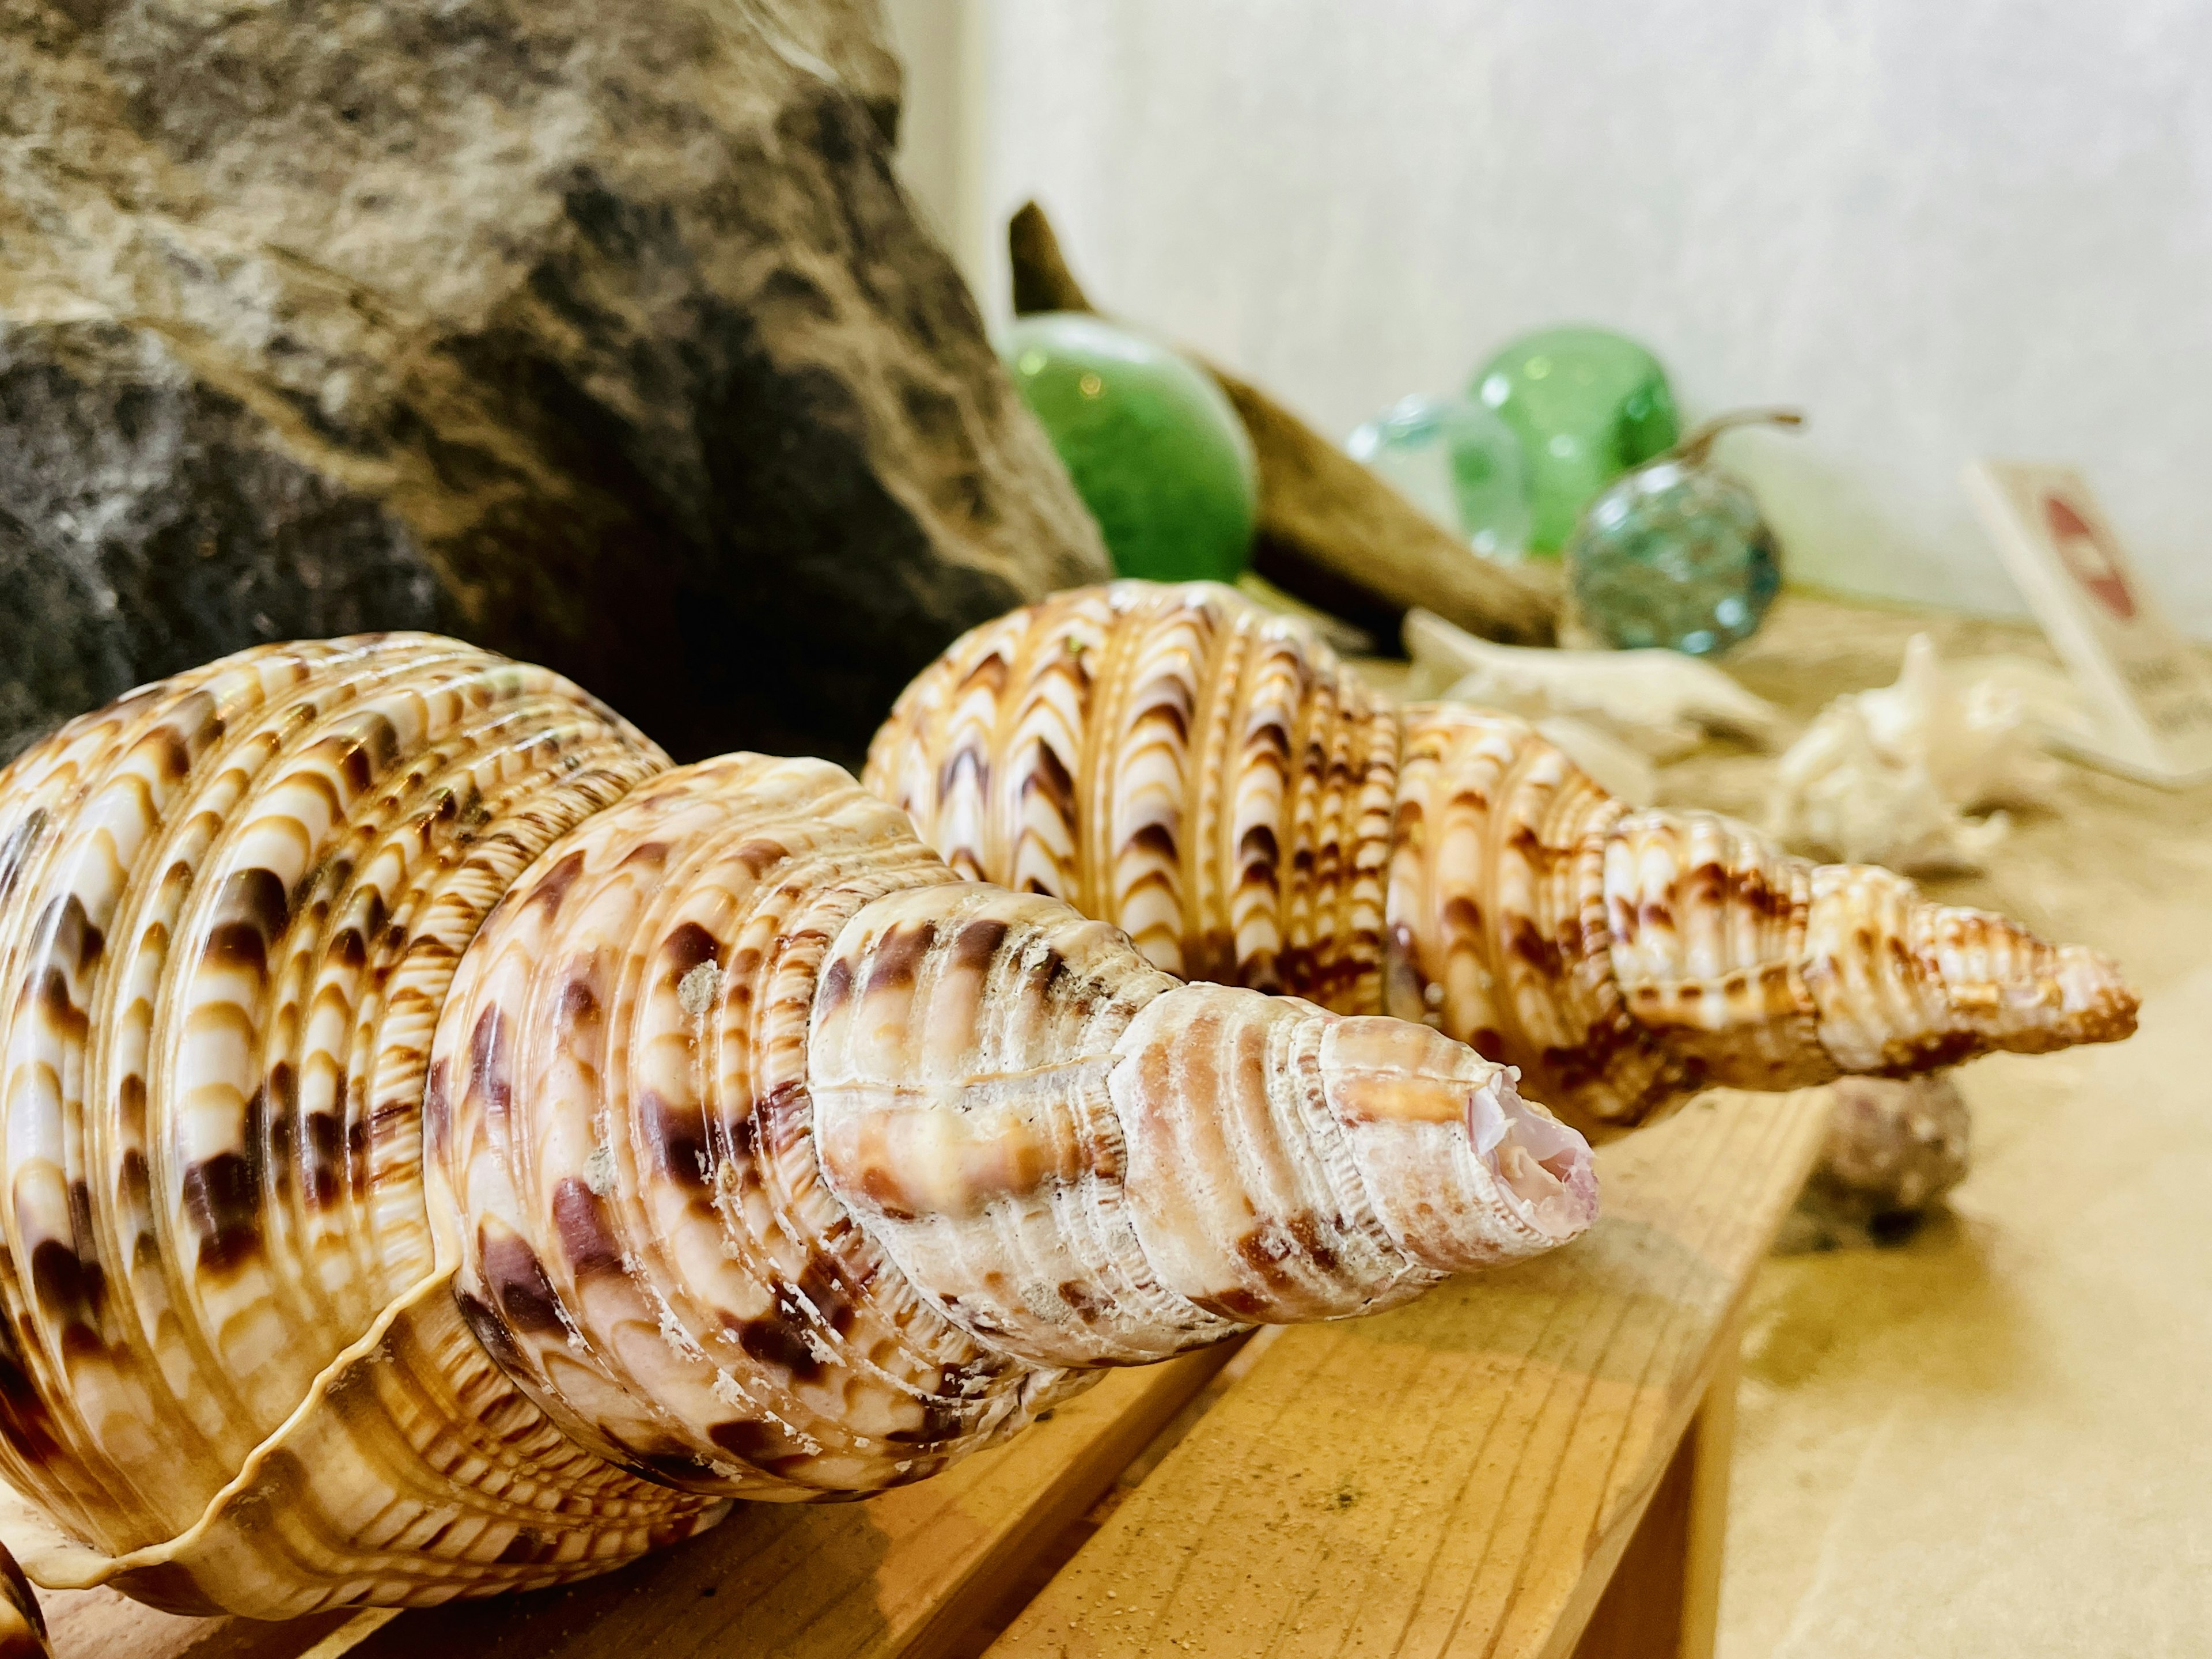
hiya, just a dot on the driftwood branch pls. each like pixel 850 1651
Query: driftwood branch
pixel 1329 530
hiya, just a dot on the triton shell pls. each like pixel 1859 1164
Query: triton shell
pixel 447 1150
pixel 1211 779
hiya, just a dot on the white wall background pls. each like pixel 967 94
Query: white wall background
pixel 1944 229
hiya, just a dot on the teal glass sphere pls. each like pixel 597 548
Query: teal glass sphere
pixel 1676 554
pixel 1154 448
pixel 1587 405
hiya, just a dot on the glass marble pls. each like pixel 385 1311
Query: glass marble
pixel 1459 463
pixel 1587 405
pixel 1676 553
pixel 1154 446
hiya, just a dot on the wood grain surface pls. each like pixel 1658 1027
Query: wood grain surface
pixel 1458 1476
pixel 904 1573
pixel 1662 1600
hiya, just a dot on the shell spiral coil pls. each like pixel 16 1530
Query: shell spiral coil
pixel 448 1150
pixel 1210 778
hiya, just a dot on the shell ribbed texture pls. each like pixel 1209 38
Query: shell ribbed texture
pixel 621 1106
pixel 445 1150
pixel 229 906
pixel 1210 778
pixel 1014 1208
pixel 1005 1098
pixel 1187 768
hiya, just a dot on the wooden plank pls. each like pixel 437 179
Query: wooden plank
pixel 1713 1438
pixel 1662 1601
pixel 1459 1476
pixel 103 1624
pixel 1017 1590
pixel 903 1573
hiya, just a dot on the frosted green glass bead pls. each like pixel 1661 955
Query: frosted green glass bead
pixel 1587 405
pixel 1154 446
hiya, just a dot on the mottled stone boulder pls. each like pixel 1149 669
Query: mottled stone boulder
pixel 600 334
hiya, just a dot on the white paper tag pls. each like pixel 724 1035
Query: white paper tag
pixel 2147 689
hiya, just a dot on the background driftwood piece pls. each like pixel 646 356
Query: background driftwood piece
pixel 1329 530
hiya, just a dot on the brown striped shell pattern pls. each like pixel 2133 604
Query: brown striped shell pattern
pixel 1211 779
pixel 448 1150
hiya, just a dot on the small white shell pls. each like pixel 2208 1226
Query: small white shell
pixel 1889 776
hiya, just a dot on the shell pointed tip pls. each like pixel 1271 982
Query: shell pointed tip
pixel 2096 1002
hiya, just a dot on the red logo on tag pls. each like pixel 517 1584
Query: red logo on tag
pixel 2086 555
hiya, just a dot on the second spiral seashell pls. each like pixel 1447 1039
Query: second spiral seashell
pixel 1212 780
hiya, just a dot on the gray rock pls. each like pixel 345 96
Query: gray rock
pixel 601 334
pixel 149 526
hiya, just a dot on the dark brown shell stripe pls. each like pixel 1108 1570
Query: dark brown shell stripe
pixel 1169 760
pixel 654 1255
pixel 232 902
pixel 1707 927
pixel 1234 798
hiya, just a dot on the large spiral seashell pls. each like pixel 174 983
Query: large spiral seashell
pixel 1210 778
pixel 446 1150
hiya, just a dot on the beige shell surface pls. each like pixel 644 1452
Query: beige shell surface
pixel 651 1249
pixel 1210 778
pixel 228 909
pixel 1085 1164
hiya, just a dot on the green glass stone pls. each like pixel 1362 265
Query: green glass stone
pixel 1587 405
pixel 1154 446
pixel 1676 554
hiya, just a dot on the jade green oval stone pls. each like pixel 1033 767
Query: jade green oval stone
pixel 1675 554
pixel 1587 405
pixel 1154 446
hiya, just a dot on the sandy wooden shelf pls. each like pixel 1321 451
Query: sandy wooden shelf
pixel 1461 1475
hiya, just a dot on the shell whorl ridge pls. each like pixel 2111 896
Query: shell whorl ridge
pixel 446 1150
pixel 1210 778
pixel 230 905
